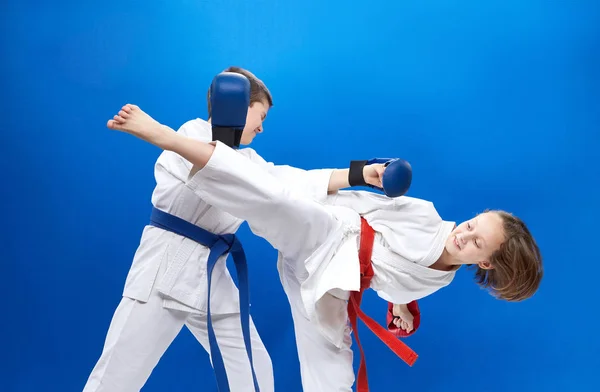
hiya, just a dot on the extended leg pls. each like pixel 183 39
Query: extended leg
pixel 294 225
pixel 229 181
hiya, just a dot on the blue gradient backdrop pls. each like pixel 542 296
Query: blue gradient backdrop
pixel 494 103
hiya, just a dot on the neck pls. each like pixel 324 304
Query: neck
pixel 445 262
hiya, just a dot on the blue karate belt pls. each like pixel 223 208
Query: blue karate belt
pixel 218 245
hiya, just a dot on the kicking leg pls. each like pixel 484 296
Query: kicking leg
pixel 227 180
pixel 294 225
pixel 133 120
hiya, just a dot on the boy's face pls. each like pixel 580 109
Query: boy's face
pixel 474 241
pixel 257 112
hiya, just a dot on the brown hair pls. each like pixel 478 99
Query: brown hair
pixel 517 264
pixel 258 90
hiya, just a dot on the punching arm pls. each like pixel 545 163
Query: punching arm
pixel 338 180
pixel 392 176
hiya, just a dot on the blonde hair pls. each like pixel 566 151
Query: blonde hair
pixel 517 265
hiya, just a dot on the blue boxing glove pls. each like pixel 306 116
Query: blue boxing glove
pixel 229 101
pixel 396 179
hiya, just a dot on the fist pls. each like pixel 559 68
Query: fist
pixel 373 174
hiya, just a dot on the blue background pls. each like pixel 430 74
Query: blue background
pixel 495 103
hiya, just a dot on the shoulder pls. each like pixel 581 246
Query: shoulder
pixel 416 204
pixel 420 210
pixel 251 154
pixel 196 128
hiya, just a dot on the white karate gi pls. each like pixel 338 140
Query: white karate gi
pixel 166 287
pixel 318 254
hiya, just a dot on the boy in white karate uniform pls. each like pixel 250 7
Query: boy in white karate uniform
pixel 167 284
pixel 415 252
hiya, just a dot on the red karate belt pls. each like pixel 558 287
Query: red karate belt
pixel 367 236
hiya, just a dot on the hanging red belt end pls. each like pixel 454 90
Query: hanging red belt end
pixel 412 359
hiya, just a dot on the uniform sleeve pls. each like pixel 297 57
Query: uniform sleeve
pixel 310 183
pixel 171 169
pixel 171 166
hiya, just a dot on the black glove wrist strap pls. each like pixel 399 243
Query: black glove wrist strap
pixel 227 135
pixel 355 175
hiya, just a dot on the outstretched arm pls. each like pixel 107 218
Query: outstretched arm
pixel 316 183
pixel 337 180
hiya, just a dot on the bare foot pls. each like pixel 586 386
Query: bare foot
pixel 134 121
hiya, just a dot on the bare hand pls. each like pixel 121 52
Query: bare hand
pixel 403 317
pixel 373 174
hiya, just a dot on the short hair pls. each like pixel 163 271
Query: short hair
pixel 258 90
